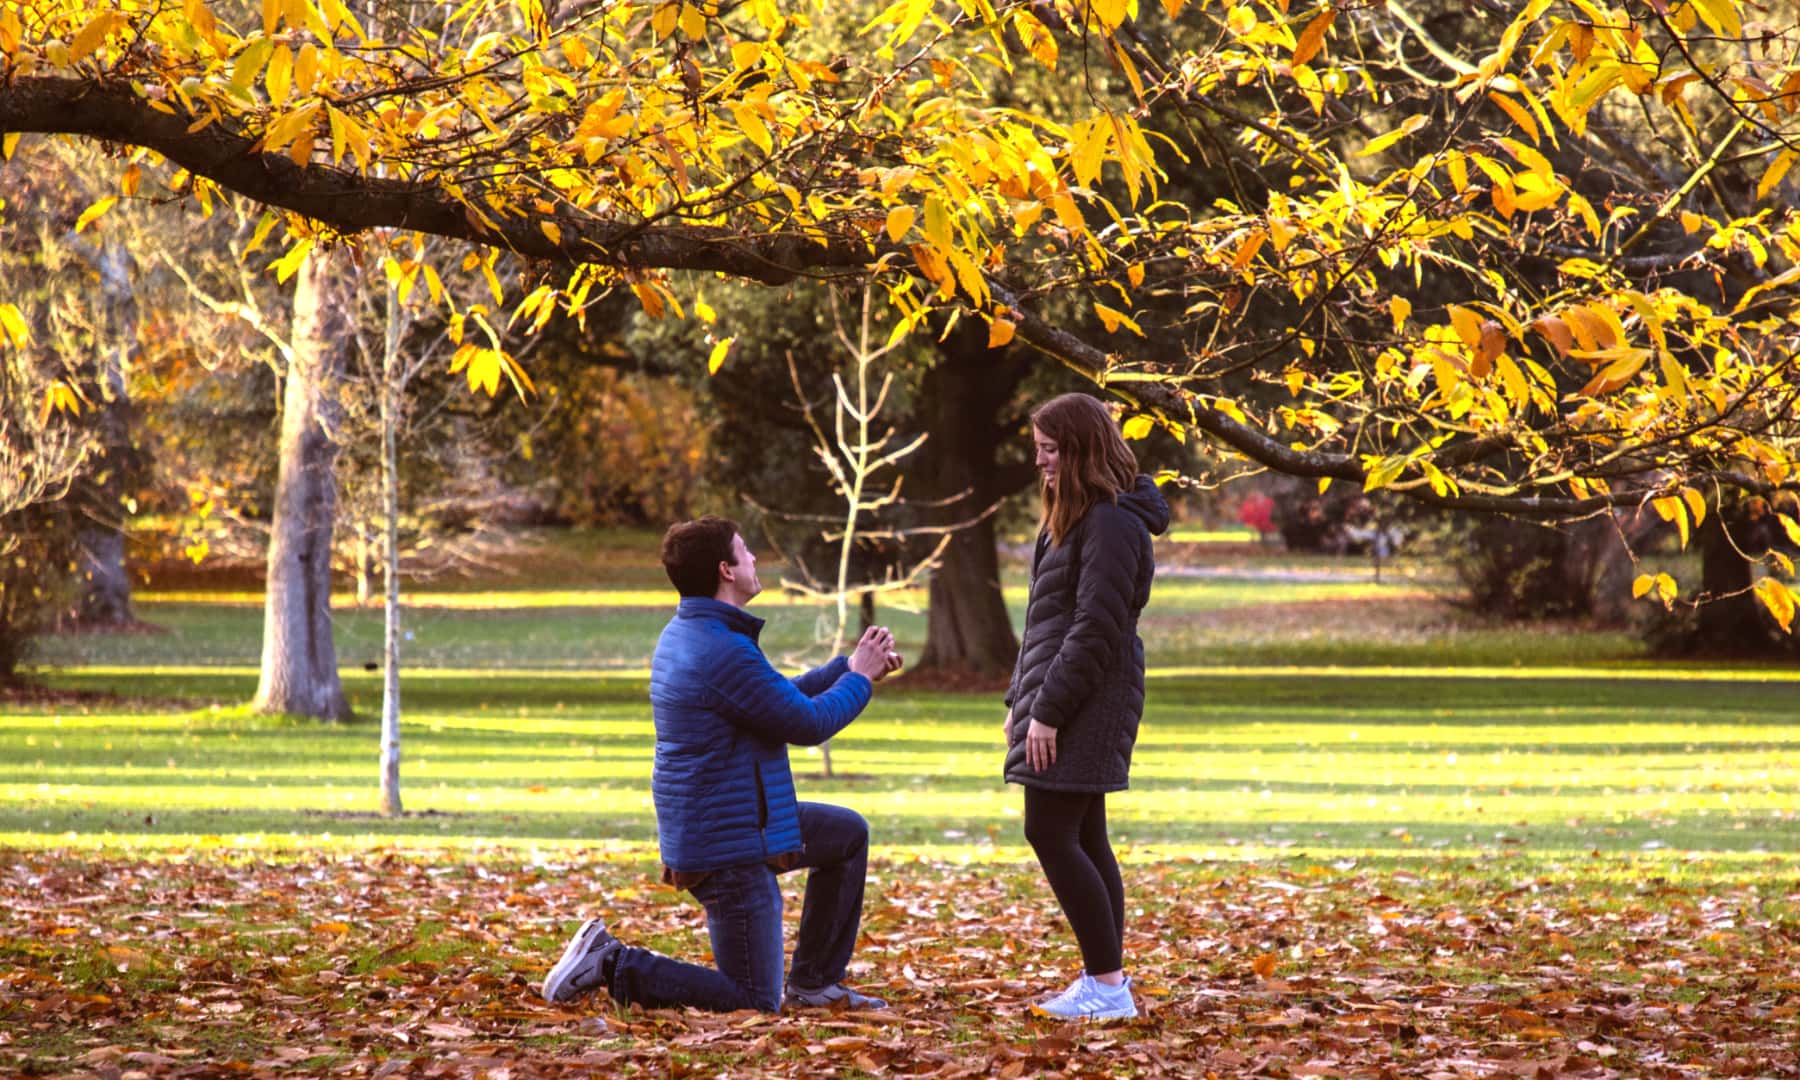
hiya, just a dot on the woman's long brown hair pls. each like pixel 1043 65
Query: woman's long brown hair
pixel 1092 460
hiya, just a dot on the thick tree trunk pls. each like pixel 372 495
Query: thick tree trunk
pixel 105 584
pixel 965 399
pixel 299 660
pixel 1731 617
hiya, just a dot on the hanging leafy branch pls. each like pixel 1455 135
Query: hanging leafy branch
pixel 1543 263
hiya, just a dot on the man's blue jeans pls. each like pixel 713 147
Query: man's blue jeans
pixel 743 917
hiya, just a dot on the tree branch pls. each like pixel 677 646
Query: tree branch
pixel 351 202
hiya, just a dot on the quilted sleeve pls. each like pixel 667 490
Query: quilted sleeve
pixel 767 704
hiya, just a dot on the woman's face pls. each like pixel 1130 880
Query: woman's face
pixel 1046 456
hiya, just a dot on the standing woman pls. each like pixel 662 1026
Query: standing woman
pixel 1078 688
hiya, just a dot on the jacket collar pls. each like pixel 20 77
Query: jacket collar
pixel 734 617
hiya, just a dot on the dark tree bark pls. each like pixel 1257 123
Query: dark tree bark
pixel 966 403
pixel 1731 619
pixel 299 660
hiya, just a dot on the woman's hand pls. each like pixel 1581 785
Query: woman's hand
pixel 1006 731
pixel 1040 745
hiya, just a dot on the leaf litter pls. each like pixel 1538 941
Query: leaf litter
pixel 403 964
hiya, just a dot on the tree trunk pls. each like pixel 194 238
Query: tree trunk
pixel 965 400
pixel 299 659
pixel 1731 617
pixel 391 389
pixel 105 584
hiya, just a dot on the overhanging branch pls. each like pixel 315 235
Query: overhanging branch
pixel 351 202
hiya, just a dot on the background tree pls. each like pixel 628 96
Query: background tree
pixel 628 141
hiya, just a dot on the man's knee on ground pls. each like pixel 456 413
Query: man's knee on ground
pixel 768 1001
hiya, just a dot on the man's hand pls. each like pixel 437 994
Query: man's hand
pixel 1040 745
pixel 870 659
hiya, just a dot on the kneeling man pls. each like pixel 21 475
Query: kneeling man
pixel 726 815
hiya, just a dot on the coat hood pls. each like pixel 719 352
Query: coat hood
pixel 1147 502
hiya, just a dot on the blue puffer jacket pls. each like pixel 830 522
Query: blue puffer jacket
pixel 724 718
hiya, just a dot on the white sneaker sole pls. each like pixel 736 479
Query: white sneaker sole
pixel 1108 1014
pixel 572 955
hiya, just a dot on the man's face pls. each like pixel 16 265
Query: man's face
pixel 738 577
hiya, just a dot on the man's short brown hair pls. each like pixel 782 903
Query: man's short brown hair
pixel 693 550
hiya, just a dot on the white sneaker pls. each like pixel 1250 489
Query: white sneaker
pixel 1061 1000
pixel 1090 999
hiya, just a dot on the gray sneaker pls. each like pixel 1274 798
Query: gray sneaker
pixel 828 997
pixel 581 971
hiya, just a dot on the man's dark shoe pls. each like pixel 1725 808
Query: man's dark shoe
pixel 583 967
pixel 828 997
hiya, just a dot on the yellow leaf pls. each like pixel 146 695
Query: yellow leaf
pixel 1642 585
pixel 1776 170
pixel 553 231
pixel 92 213
pixel 306 68
pixel 1665 589
pixel 745 54
pixel 751 123
pixel 1110 12
pixel 1313 37
pixel 899 222
pixel 651 300
pixel 249 63
pixel 1517 390
pixel 1264 965
pixel 1399 307
pixel 1467 324
pixel 937 222
pixel 1037 38
pixel 8 143
pixel 279 78
pixel 1722 16
pixel 1382 142
pixel 1000 331
pixel 10 30
pixel 1779 599
pixel 92 36
pixel 1792 528
pixel 12 326
pixel 1696 505
pixel 1671 508
pixel 716 358
pixel 1113 319
pixel 1137 427
pixel 1518 113
pixel 331 928
pixel 665 19
pixel 693 21
pixel 704 311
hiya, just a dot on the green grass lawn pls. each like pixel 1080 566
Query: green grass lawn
pixel 1232 764
pixel 1296 708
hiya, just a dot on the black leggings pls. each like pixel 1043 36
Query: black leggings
pixel 1067 829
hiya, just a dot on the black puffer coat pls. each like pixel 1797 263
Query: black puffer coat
pixel 1081 664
